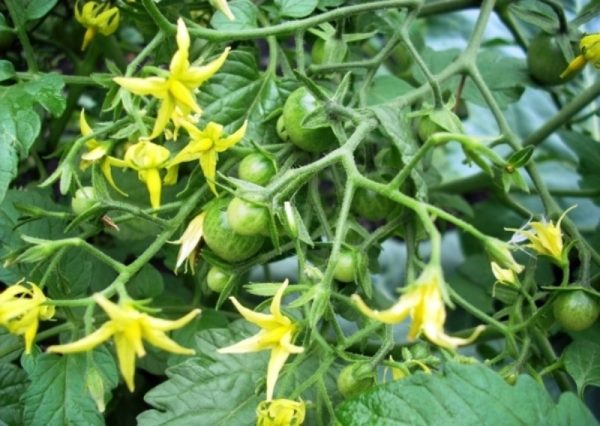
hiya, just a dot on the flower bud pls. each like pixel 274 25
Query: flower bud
pixel 500 253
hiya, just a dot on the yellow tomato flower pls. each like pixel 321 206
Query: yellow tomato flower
pixel 147 159
pixel 205 146
pixel 129 328
pixel 545 238
pixel 97 17
pixel 223 7
pixel 277 332
pixel 590 52
pixel 424 303
pixel 504 276
pixel 177 89
pixel 280 412
pixel 189 242
pixel 97 151
pixel 21 309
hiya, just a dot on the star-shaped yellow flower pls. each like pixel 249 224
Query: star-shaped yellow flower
pixel 21 309
pixel 147 159
pixel 129 328
pixel 205 145
pixel 277 332
pixel 424 303
pixel 280 412
pixel 590 52
pixel 176 90
pixel 97 17
pixel 545 238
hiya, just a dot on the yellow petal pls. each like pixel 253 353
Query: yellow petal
pixel 183 37
pixel 30 334
pixel 223 7
pixel 276 303
pixel 155 86
pixel 226 143
pixel 108 21
pixel 105 167
pixel 161 341
pixel 438 337
pixel 126 357
pixel 183 96
pixel 168 325
pixel 574 66
pixel 83 124
pixel 95 154
pixel 171 176
pixel 115 312
pixel 190 239
pixel 162 118
pixel 397 313
pixel 89 35
pixel 208 164
pixel 257 318
pixel 195 76
pixel 86 343
pixel 154 185
pixel 250 344
pixel 276 362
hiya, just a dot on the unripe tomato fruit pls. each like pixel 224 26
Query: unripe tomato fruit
pixel 256 168
pixel 370 205
pixel 298 105
pixel 545 60
pixel 427 127
pixel 345 268
pixel 217 279
pixel 246 218
pixel 83 200
pixel 355 379
pixel 576 310
pixel 222 240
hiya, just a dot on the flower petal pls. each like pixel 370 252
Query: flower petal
pixel 85 343
pixel 162 118
pixel 208 164
pixel 276 362
pixel 226 143
pixel 195 75
pixel 126 356
pixel 155 86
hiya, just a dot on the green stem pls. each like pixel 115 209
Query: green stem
pixel 21 28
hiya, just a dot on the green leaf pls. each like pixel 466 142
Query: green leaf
pixel 57 394
pixel 239 92
pixel 7 70
pixel 582 361
pixel 35 9
pixel 462 395
pixel 210 389
pixel 20 124
pixel 245 13
pixel 385 88
pixel 505 76
pixel 10 346
pixel 296 8
pixel 13 382
pixel 11 232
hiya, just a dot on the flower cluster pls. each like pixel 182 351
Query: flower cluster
pixel 129 328
pixel 97 17
pixel 176 91
pixel 21 309
pixel 423 302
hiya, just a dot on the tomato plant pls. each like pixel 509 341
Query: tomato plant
pixel 286 212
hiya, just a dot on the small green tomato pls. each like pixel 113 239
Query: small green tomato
pixel 83 200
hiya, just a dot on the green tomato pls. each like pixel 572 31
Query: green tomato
pixel 317 52
pixel 370 205
pixel 345 268
pixel 256 168
pixel 576 310
pixel 246 218
pixel 83 200
pixel 217 279
pixel 298 105
pixel 427 127
pixel 355 379
pixel 546 61
pixel 222 240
